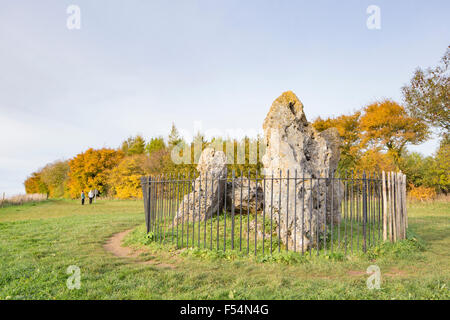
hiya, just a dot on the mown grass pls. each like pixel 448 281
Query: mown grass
pixel 38 243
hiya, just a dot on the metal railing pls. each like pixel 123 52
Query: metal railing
pixel 282 212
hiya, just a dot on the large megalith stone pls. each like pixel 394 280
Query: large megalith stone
pixel 248 196
pixel 300 207
pixel 207 196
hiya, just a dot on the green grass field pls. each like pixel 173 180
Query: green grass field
pixel 39 241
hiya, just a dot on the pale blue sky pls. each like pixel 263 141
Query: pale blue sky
pixel 136 66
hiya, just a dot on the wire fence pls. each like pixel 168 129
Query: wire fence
pixel 288 211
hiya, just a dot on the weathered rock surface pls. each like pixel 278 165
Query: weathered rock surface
pixel 208 194
pixel 248 195
pixel 293 144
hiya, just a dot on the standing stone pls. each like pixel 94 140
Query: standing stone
pixel 251 198
pixel 293 144
pixel 207 196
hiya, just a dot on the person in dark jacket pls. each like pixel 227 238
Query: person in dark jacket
pixel 82 198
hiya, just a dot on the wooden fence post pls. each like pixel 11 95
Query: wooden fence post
pixel 389 198
pixel 400 202
pixel 394 207
pixel 399 206
pixel 385 207
pixel 404 204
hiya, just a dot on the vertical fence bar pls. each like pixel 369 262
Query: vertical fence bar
pixel 279 215
pixel 373 211
pixel 332 211
pixel 310 205
pixel 394 209
pixel 164 209
pixel 295 211
pixel 240 212
pixel 232 210
pixel 189 208
pixel 351 213
pixel 145 189
pixel 206 197
pixel 177 206
pixel 271 215
pixel 317 207
pixel 199 208
pixel 341 212
pixel 248 213
pixel 193 207
pixel 287 210
pixel 161 203
pixel 385 212
pixel 172 192
pixel 182 204
pixel 364 211
pixel 264 214
pixel 212 212
pixel 380 206
pixel 225 212
pixel 358 208
pixel 303 211
pixel 219 177
pixel 345 212
pixel 325 214
pixel 256 210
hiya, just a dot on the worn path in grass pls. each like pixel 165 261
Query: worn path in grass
pixel 115 247
pixel 38 243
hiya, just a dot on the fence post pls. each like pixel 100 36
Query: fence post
pixel 394 229
pixel 364 210
pixel 399 207
pixel 144 195
pixel 385 212
pixel 404 199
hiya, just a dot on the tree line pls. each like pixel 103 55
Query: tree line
pixel 374 138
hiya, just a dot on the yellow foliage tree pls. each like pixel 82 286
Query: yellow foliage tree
pixel 91 169
pixel 374 161
pixel 34 184
pixel 386 125
pixel 125 179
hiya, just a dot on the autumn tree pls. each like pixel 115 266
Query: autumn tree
pixel 386 125
pixel 90 170
pixel 34 184
pixel 133 145
pixel 427 95
pixel 374 161
pixel 55 176
pixel 125 179
pixel 349 130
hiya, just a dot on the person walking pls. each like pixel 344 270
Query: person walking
pixel 82 198
pixel 91 196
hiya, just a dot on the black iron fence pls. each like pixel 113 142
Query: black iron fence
pixel 284 211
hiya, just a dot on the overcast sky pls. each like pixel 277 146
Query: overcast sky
pixel 136 66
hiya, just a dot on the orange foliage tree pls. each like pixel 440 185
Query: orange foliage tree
pixel 34 184
pixel 91 169
pixel 386 125
pixel 349 131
